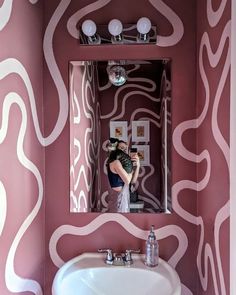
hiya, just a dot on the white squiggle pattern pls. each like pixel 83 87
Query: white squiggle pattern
pixel 161 233
pixel 14 282
pixel 55 73
pixel 177 24
pixel 127 86
pixel 88 114
pixel 12 65
pixel 5 13
pixel 150 114
pixel 74 19
pixel 214 60
pixel 223 213
pixel 156 202
pixel 125 98
pixel 3 207
pixel 214 17
pixel 82 171
pixel 76 118
pixel 143 110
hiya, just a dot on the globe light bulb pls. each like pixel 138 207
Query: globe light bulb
pixel 144 25
pixel 115 27
pixel 89 28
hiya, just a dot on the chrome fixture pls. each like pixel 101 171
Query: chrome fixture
pixel 113 33
pixel 117 75
pixel 109 257
pixel 118 259
pixel 143 26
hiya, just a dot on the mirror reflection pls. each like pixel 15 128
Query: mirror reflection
pixel 120 136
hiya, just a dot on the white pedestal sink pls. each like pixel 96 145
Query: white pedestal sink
pixel 88 274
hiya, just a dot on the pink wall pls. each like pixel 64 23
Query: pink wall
pixel 213 96
pixel 21 149
pixel 84 137
pixel 188 236
pixel 71 234
pixel 138 99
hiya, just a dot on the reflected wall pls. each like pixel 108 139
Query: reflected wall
pixel 94 103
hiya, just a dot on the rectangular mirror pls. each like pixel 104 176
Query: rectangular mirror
pixel 137 112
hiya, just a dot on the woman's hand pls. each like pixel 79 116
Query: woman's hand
pixel 135 159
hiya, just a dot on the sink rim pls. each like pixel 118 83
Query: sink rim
pixel 90 260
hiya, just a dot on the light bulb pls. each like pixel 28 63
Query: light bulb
pixel 89 28
pixel 115 27
pixel 144 25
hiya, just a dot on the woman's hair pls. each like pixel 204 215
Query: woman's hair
pixel 121 141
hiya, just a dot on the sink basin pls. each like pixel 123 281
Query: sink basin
pixel 88 274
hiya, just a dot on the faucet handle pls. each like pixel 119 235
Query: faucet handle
pixel 109 257
pixel 128 256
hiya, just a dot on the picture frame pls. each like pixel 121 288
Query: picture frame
pixel 119 129
pixel 140 131
pixel 143 153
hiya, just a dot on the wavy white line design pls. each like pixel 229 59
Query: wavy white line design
pixel 127 86
pixel 3 207
pixel 85 108
pixel 74 19
pixel 223 213
pixel 94 225
pixel 14 282
pixel 174 19
pixel 5 13
pixel 55 73
pixel 214 17
pixel 14 66
pixel 76 118
pixel 6 10
pixel 208 260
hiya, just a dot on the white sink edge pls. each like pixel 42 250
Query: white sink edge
pixel 97 260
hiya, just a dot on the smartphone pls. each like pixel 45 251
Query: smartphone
pixel 133 150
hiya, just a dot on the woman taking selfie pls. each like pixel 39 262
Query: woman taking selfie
pixel 122 170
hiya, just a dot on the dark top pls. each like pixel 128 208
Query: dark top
pixel 114 179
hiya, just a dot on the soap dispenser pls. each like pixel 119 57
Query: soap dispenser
pixel 152 249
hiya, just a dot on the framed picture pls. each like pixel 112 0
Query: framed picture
pixel 140 131
pixel 143 153
pixel 119 129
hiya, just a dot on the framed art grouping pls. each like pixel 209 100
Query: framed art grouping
pixel 143 153
pixel 140 131
pixel 119 129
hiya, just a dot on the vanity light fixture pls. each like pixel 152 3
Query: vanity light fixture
pixel 143 32
pixel 143 26
pixel 115 28
pixel 89 29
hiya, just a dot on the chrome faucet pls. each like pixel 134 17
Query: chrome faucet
pixel 118 259
pixel 109 257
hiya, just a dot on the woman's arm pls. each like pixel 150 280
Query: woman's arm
pixel 135 159
pixel 116 167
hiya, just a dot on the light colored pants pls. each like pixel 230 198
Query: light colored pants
pixel 120 201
